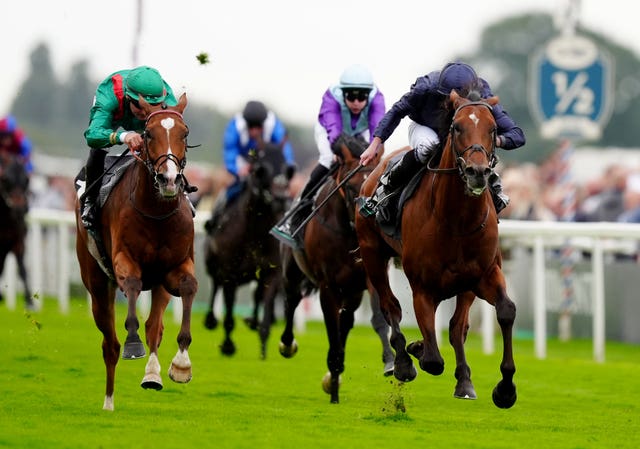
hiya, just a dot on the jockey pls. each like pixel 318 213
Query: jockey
pixel 245 133
pixel 13 140
pixel 116 118
pixel 423 104
pixel 354 106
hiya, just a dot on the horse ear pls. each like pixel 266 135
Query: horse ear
pixel 493 100
pixel 182 103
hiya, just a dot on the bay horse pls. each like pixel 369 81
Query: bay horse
pixel 14 206
pixel 238 248
pixel 329 261
pixel 448 247
pixel 146 232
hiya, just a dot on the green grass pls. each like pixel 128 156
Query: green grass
pixel 52 389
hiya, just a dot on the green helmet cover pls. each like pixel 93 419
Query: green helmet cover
pixel 147 82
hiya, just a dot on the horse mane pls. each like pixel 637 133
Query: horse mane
pixel 355 144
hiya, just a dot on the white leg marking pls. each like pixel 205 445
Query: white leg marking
pixel 108 403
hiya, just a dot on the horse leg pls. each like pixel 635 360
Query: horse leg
pixel 458 328
pixel 103 309
pixel 258 295
pixel 493 289
pixel 228 347
pixel 180 369
pixel 335 320
pixel 292 297
pixel 210 320
pixel 153 331
pixel 22 271
pixel 430 358
pixel 264 328
pixel 376 268
pixel 381 327
pixel 133 347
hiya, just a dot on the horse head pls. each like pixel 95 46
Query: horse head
pixel 348 150
pixel 165 146
pixel 471 140
pixel 270 175
pixel 14 185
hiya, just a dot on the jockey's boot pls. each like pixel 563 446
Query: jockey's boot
pixel 396 178
pixel 500 199
pixel 302 209
pixel 92 173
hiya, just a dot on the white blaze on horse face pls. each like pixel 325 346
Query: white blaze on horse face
pixel 172 169
pixel 474 118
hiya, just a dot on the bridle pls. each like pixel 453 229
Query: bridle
pixel 473 148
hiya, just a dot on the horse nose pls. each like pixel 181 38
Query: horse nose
pixel 478 172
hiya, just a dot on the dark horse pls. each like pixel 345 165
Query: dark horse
pixel 146 234
pixel 448 247
pixel 14 205
pixel 239 250
pixel 331 262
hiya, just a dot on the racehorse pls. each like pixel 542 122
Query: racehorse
pixel 329 261
pixel 14 205
pixel 239 250
pixel 146 236
pixel 448 247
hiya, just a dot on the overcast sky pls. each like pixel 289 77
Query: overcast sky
pixel 283 52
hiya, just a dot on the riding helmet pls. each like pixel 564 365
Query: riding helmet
pixel 356 77
pixel 456 76
pixel 147 82
pixel 8 124
pixel 255 113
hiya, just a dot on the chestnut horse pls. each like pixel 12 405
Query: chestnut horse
pixel 14 205
pixel 146 232
pixel 238 249
pixel 331 263
pixel 448 247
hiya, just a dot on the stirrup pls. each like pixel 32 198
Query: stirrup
pixel 282 234
pixel 88 216
pixel 367 206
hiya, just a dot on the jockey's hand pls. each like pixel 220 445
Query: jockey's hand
pixel 133 140
pixel 243 171
pixel 370 153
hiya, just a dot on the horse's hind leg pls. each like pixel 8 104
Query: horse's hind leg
pixel 494 291
pixel 258 294
pixel 154 328
pixel 22 271
pixel 229 292
pixel 381 327
pixel 133 347
pixel 210 320
pixel 264 328
pixel 102 307
pixel 292 297
pixel 458 328
pixel 338 322
pixel 427 351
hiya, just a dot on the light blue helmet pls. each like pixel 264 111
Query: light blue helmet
pixel 356 77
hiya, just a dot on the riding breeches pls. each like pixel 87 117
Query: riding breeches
pixel 421 139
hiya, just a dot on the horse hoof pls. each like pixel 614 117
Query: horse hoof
pixel 416 348
pixel 133 350
pixel 405 375
pixel 210 321
pixel 228 348
pixel 326 382
pixel 152 382
pixel 288 351
pixel 465 390
pixel 180 374
pixel 432 367
pixel 502 398
pixel 388 369
pixel 252 323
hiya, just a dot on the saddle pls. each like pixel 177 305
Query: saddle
pixel 389 211
pixel 115 167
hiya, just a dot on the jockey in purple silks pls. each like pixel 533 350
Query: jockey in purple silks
pixel 353 107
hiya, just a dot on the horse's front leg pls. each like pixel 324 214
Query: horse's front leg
pixel 427 351
pixel 154 328
pixel 381 327
pixel 292 296
pixel 184 278
pixel 458 328
pixel 493 289
pixel 22 271
pixel 228 347
pixel 376 269
pixel 337 321
pixel 129 279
